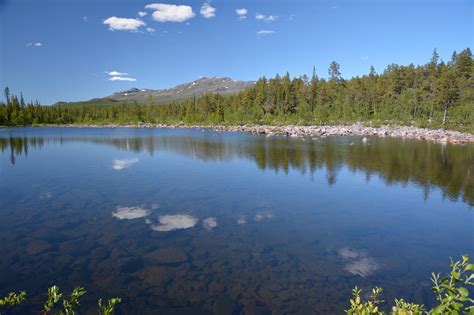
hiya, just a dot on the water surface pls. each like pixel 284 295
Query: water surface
pixel 188 221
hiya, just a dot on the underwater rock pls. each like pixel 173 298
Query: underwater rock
pixel 167 256
pixel 37 246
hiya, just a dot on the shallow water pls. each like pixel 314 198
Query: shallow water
pixel 186 221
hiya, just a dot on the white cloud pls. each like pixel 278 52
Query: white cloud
pixel 266 18
pixel 365 57
pixel 209 223
pixel 121 164
pixel 175 222
pixel 150 30
pixel 265 32
pixel 170 12
pixel 34 44
pixel 208 11
pixel 241 13
pixel 116 73
pixel 142 14
pixel 123 24
pixel 130 213
pixel 122 79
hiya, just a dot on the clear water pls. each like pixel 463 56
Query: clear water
pixel 186 221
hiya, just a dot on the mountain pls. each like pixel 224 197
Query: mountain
pixel 179 93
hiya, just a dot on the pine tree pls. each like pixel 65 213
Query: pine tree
pixel 464 63
pixel 447 91
pixel 334 73
pixel 313 98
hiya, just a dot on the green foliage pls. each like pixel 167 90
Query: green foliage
pixel 13 299
pixel 371 306
pixel 107 309
pixel 404 308
pixel 451 292
pixel 437 94
pixel 73 302
pixel 70 305
pixel 54 295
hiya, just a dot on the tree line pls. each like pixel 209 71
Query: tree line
pixel 436 94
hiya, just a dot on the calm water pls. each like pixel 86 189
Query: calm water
pixel 199 222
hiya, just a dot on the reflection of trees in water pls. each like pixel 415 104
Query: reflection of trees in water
pixel 428 164
pixel 19 146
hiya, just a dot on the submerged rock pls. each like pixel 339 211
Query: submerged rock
pixel 37 246
pixel 167 256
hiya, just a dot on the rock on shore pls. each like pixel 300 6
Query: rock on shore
pixel 436 135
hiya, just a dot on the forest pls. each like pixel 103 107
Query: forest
pixel 436 94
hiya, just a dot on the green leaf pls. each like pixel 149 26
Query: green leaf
pixel 456 275
pixel 463 291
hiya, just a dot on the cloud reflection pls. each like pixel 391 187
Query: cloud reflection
pixel 46 195
pixel 241 220
pixel 121 164
pixel 209 223
pixel 175 222
pixel 263 216
pixel 130 213
pixel 358 262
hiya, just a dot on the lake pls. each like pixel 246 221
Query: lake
pixel 190 221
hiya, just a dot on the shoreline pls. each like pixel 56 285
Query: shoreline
pixel 384 131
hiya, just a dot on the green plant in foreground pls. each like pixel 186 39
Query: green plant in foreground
pixel 54 295
pixel 70 305
pixel 13 299
pixel 404 308
pixel 365 307
pixel 107 309
pixel 451 292
pixel 73 302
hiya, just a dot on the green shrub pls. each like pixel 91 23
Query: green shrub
pixel 451 292
pixel 69 305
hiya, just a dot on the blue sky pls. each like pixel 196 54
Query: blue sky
pixel 61 50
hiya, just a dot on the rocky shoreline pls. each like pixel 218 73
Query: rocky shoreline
pixel 436 135
pixel 408 132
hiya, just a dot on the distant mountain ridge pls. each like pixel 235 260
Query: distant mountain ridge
pixel 203 85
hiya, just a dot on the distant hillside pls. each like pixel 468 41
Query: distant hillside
pixel 176 94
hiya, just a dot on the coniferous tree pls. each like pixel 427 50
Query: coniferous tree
pixel 447 91
pixel 435 94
